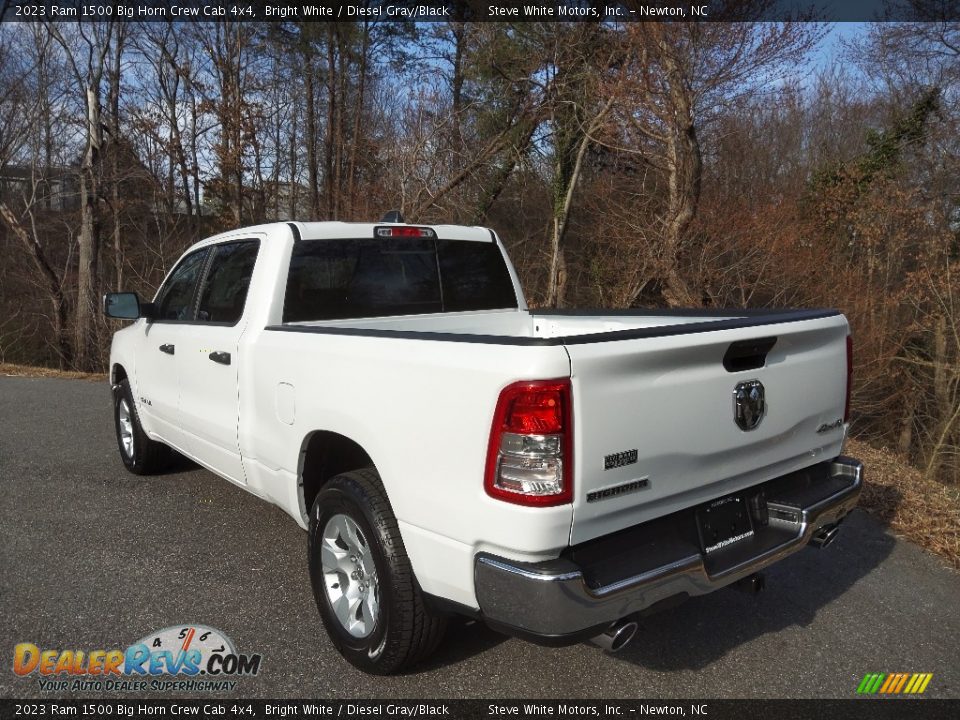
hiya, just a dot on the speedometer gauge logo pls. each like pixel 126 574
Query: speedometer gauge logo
pixel 189 649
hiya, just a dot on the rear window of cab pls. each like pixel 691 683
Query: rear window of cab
pixel 376 277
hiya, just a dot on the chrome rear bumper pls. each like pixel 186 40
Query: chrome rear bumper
pixel 593 585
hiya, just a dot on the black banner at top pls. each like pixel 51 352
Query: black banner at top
pixel 480 10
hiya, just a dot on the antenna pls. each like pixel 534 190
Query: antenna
pixel 393 216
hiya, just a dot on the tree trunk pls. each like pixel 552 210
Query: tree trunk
pixel 292 152
pixel 195 165
pixel 260 194
pixel 565 186
pixel 88 280
pixel 312 162
pixel 684 173
pixel 459 28
pixel 358 117
pixel 339 142
pixel 947 413
pixel 237 156
pixel 114 125
pixel 177 156
pixel 331 122
pixel 557 279
pixel 905 441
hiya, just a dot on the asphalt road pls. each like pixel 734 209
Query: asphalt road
pixel 93 557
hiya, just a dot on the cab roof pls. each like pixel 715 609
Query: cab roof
pixel 332 230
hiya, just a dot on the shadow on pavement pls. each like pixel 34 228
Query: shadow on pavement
pixel 700 631
pixel 463 640
pixel 178 464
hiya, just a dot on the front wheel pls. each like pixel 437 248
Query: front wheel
pixel 140 454
pixel 369 600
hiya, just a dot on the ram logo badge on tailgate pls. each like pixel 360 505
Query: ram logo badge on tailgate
pixel 749 404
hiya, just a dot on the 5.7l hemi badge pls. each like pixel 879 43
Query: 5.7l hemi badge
pixel 615 460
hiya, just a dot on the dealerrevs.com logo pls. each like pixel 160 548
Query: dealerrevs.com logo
pixel 178 658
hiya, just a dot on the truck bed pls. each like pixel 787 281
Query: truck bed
pixel 554 327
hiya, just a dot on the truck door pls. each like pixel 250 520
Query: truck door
pixel 157 391
pixel 210 361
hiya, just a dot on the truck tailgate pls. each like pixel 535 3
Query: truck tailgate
pixel 654 418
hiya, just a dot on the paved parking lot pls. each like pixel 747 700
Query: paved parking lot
pixel 93 557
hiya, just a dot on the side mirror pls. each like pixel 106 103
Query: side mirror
pixel 126 306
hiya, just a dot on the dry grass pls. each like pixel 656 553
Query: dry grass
pixel 926 512
pixel 29 371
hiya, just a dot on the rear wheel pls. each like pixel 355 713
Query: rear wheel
pixel 140 454
pixel 369 600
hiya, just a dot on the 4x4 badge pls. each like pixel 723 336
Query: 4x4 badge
pixel 749 404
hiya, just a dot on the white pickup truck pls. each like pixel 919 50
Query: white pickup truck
pixel 554 474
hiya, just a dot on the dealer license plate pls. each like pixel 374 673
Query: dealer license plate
pixel 723 522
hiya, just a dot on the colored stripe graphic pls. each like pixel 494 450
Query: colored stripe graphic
pixel 894 683
pixel 901 682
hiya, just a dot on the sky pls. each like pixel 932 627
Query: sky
pixel 831 48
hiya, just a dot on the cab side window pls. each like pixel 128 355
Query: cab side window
pixel 175 301
pixel 223 292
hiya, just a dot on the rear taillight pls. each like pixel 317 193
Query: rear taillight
pixel 846 407
pixel 530 456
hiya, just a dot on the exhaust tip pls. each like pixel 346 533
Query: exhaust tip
pixel 617 637
pixel 825 536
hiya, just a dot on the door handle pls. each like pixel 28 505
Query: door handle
pixel 167 348
pixel 220 357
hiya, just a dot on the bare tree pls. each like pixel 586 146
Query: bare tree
pixel 230 49
pixel 24 107
pixel 677 77
pixel 86 50
pixel 575 69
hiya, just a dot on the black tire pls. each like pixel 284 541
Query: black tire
pixel 405 631
pixel 140 454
